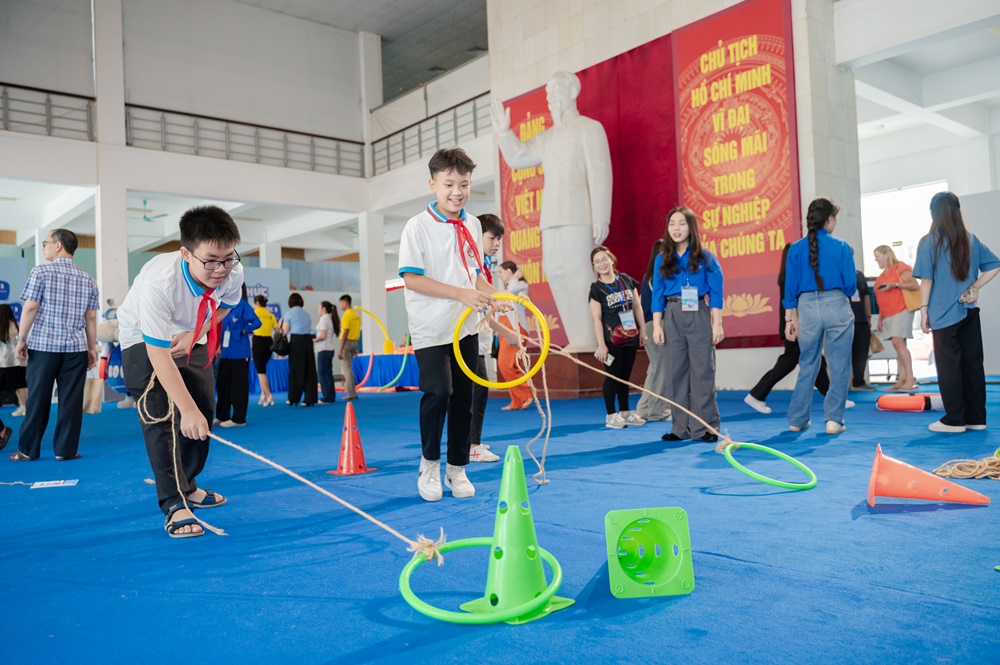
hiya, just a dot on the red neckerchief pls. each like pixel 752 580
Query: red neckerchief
pixel 466 247
pixel 486 272
pixel 206 306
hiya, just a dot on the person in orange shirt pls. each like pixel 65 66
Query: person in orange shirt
pixel 895 322
pixel 520 396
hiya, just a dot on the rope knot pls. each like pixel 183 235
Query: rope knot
pixel 430 549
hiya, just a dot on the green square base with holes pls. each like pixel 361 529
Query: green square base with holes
pixel 649 552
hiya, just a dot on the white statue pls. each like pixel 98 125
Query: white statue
pixel 576 204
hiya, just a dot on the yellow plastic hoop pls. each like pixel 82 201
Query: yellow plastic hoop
pixel 503 385
pixel 388 346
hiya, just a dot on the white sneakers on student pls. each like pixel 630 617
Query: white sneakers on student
pixel 19 411
pixel 938 426
pixel 456 480
pixel 757 405
pixel 632 419
pixel 429 480
pixel 231 423
pixel 793 428
pixel 848 404
pixel 615 421
pixel 479 453
pixel 834 428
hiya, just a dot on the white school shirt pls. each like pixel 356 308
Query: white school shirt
pixel 429 246
pixel 328 343
pixel 163 302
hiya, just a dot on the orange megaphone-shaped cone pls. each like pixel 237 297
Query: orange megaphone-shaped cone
pixel 352 455
pixel 900 480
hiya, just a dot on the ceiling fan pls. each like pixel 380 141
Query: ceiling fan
pixel 146 217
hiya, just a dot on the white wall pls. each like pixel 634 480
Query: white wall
pixel 230 60
pixel 47 44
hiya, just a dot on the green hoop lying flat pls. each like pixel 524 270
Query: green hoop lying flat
pixel 728 452
pixel 488 617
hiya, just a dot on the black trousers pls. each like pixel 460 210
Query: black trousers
pixel 958 355
pixel 859 352
pixel 621 366
pixel 447 393
pixel 191 453
pixel 324 360
pixel 301 370
pixel 234 389
pixel 69 372
pixel 480 395
pixel 783 366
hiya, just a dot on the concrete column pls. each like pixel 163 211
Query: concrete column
pixel 371 245
pixel 826 110
pixel 370 45
pixel 270 255
pixel 109 72
pixel 109 210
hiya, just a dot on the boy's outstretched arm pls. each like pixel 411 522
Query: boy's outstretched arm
pixel 426 286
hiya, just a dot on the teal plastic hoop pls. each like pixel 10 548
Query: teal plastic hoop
pixel 728 452
pixel 399 375
pixel 478 619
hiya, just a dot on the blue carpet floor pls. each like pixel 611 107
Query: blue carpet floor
pixel 781 576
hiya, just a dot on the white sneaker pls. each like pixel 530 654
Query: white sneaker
pixel 19 411
pixel 127 403
pixel 793 428
pixel 849 404
pixel 632 418
pixel 756 404
pixel 834 428
pixel 974 428
pixel 615 421
pixel 216 422
pixel 938 426
pixel 458 482
pixel 480 454
pixel 231 423
pixel 429 480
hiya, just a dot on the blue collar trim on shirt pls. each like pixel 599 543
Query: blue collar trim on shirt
pixel 193 287
pixel 432 209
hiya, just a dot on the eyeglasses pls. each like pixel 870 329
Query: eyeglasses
pixel 228 264
pixel 49 242
pixel 601 262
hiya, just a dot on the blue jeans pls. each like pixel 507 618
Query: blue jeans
pixel 324 367
pixel 823 315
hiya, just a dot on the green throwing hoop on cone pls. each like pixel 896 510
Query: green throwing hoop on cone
pixel 516 591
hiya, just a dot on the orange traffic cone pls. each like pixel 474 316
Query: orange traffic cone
pixel 352 455
pixel 900 480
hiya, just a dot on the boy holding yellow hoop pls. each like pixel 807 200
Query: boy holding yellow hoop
pixel 439 261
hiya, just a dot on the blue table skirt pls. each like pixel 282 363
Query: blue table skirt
pixel 277 376
pixel 385 369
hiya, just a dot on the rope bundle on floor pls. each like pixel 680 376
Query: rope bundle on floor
pixel 988 467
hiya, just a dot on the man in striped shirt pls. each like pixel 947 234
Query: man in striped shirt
pixel 57 335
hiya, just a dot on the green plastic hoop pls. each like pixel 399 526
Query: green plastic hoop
pixel 399 375
pixel 728 452
pixel 478 619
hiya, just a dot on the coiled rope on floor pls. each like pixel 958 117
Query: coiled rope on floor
pixel 988 467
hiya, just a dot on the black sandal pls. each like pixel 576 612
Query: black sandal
pixel 171 526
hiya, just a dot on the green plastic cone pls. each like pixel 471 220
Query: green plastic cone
pixel 515 573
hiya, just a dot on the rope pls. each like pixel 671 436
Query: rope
pixel 16 482
pixel 430 549
pixel 988 467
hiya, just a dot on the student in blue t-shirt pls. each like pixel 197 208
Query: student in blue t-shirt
pixel 820 279
pixel 952 265
pixel 233 383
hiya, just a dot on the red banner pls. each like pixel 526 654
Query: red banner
pixel 736 132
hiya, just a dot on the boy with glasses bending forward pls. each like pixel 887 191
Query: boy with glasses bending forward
pixel 169 314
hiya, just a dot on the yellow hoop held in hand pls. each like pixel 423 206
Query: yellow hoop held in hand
pixel 388 346
pixel 503 385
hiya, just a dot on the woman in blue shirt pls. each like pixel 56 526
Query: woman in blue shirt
pixel 301 361
pixel 233 383
pixel 683 276
pixel 952 265
pixel 820 279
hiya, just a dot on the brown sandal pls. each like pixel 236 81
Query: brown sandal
pixel 19 457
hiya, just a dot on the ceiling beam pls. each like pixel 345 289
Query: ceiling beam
pixel 319 220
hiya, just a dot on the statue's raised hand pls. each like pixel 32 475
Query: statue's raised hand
pixel 500 116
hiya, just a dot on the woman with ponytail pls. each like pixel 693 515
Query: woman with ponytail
pixel 952 265
pixel 820 279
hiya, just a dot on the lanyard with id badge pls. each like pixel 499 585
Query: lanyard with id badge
pixel 689 295
pixel 624 332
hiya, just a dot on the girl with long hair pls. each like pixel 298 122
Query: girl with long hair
pixel 616 310
pixel 687 315
pixel 327 334
pixel 895 321
pixel 952 265
pixel 820 279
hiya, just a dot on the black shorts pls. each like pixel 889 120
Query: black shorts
pixel 13 378
pixel 261 349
